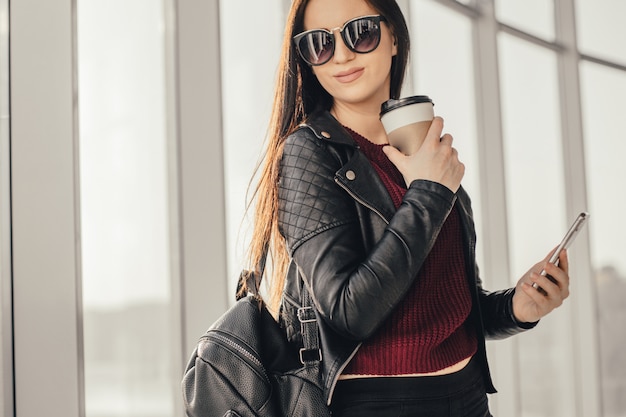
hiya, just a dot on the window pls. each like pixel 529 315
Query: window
pixel 128 326
pixel 532 144
pixel 448 78
pixel 536 214
pixel 533 16
pixel 602 89
pixel 248 77
pixel 601 29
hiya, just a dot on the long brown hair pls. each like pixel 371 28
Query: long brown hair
pixel 297 95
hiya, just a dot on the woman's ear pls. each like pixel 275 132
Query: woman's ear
pixel 394 49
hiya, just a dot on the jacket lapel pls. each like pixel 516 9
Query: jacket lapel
pixel 357 175
pixel 359 178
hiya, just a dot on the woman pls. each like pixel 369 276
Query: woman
pixel 383 242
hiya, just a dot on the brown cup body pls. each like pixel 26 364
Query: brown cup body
pixel 408 138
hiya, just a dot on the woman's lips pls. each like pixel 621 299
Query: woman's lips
pixel 349 75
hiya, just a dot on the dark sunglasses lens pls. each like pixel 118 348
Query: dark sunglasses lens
pixel 362 35
pixel 316 47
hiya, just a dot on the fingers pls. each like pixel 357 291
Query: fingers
pixel 553 284
pixel 399 160
pixel 393 154
pixel 546 294
pixel 446 140
pixel 564 261
pixel 536 293
pixel 557 275
pixel 540 293
pixel 436 160
pixel 434 132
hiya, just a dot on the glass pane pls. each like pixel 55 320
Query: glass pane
pixel 248 86
pixel 535 210
pixel 124 200
pixel 532 16
pixel 434 28
pixel 601 29
pixel 604 126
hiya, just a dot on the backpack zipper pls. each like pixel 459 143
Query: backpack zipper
pixel 252 360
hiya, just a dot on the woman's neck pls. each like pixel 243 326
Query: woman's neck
pixel 361 119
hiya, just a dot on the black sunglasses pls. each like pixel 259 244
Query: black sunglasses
pixel 361 35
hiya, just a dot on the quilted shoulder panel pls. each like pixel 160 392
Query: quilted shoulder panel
pixel 309 199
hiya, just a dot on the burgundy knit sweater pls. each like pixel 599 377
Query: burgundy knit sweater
pixel 429 329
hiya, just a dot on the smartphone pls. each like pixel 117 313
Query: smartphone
pixel 565 243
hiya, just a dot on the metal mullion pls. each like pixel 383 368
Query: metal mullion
pixel 176 307
pixel 603 62
pixel 408 85
pixel 203 284
pixel 586 350
pixel 78 277
pixel 461 8
pixel 554 46
pixel 45 212
pixel 7 392
pixel 503 357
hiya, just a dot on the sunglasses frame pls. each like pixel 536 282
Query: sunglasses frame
pixel 376 18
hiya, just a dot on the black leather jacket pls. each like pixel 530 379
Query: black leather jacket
pixel 356 253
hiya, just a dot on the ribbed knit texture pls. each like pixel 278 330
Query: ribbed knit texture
pixel 428 331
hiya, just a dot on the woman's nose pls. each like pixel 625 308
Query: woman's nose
pixel 342 52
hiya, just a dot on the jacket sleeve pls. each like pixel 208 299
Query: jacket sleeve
pixel 497 313
pixel 353 288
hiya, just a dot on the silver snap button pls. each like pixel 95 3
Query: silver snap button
pixel 350 175
pixel 326 135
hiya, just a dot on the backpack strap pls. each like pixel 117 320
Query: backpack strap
pixel 311 352
pixel 251 280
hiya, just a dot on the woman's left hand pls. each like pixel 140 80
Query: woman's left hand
pixel 536 295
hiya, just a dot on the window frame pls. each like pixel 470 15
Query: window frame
pixel 6 282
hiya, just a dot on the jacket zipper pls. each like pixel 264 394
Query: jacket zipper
pixel 372 208
pixel 360 200
pixel 336 378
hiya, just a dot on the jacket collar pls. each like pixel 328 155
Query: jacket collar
pixel 327 128
pixel 357 175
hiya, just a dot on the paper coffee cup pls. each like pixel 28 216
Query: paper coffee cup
pixel 406 121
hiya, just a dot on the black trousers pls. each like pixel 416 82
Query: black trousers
pixel 460 394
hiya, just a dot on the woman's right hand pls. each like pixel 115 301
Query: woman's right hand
pixel 436 160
